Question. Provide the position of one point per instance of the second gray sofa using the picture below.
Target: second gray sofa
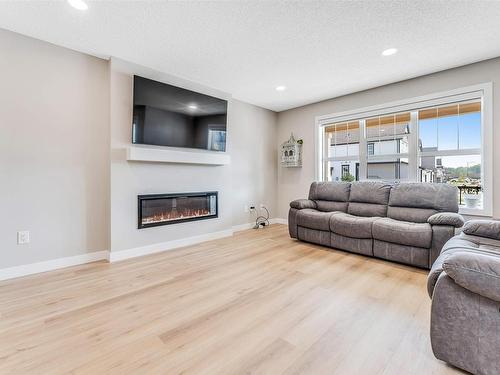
(407, 222)
(464, 284)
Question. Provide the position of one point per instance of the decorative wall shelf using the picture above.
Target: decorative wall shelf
(177, 156)
(291, 153)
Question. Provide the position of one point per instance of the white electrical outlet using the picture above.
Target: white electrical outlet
(262, 205)
(247, 209)
(23, 237)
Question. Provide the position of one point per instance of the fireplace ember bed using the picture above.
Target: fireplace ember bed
(164, 209)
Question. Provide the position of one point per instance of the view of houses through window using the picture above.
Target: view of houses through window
(440, 144)
(387, 147)
(450, 148)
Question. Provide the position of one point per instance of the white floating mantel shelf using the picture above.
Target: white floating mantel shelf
(177, 156)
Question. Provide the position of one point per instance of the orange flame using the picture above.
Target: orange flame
(175, 215)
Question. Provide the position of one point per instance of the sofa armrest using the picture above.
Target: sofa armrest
(479, 273)
(300, 204)
(432, 278)
(446, 218)
(483, 228)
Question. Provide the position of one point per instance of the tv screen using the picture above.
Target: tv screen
(166, 115)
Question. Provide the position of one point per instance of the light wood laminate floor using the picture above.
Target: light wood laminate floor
(255, 303)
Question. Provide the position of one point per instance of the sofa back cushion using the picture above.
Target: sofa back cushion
(369, 198)
(414, 215)
(330, 206)
(416, 202)
(330, 196)
(367, 209)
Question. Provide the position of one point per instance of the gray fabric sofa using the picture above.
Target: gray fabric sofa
(464, 284)
(407, 223)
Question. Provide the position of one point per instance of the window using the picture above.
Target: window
(387, 146)
(341, 150)
(345, 171)
(437, 139)
(371, 148)
(450, 148)
(217, 140)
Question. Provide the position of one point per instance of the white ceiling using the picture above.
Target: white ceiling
(318, 50)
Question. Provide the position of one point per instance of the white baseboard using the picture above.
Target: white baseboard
(50, 265)
(115, 256)
(240, 227)
(279, 221)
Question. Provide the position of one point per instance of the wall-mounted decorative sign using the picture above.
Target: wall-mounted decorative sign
(291, 152)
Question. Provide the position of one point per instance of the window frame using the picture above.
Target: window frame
(482, 92)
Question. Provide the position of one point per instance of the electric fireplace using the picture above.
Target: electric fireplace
(164, 209)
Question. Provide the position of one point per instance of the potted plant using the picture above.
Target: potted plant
(472, 200)
(348, 178)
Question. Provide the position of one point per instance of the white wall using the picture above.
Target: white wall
(250, 178)
(294, 183)
(54, 169)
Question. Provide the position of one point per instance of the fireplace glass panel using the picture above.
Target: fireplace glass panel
(166, 209)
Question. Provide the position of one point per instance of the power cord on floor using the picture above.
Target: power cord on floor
(261, 221)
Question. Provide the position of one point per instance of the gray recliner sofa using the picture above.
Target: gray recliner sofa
(407, 222)
(464, 284)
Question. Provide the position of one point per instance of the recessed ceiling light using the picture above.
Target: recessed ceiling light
(280, 88)
(78, 4)
(192, 106)
(389, 51)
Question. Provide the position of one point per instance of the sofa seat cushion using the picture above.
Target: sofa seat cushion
(402, 232)
(352, 226)
(314, 219)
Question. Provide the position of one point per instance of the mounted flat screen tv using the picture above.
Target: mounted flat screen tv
(166, 115)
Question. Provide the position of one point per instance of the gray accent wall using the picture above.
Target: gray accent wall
(293, 183)
(54, 151)
(254, 159)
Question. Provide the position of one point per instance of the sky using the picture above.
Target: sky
(450, 133)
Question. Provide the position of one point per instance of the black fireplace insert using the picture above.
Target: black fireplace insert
(164, 209)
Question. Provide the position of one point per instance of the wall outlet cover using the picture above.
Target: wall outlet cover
(23, 237)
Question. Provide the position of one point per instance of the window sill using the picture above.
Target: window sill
(462, 210)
